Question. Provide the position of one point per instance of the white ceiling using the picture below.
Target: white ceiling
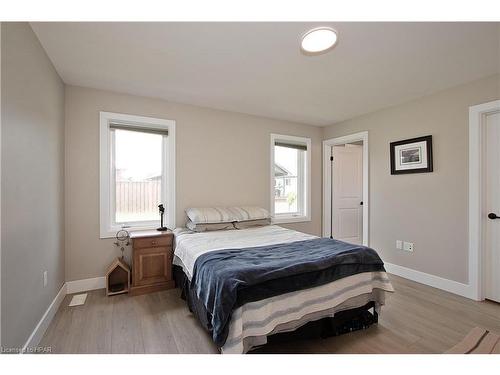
(257, 68)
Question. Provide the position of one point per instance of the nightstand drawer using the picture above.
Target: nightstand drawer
(141, 243)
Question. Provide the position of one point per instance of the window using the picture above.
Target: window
(290, 178)
(137, 170)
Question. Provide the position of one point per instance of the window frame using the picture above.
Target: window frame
(305, 202)
(108, 227)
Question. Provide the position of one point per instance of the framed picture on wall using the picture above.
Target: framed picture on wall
(411, 155)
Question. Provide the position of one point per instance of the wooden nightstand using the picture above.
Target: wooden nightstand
(152, 254)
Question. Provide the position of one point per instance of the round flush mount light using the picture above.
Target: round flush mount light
(318, 41)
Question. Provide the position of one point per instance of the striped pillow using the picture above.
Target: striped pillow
(251, 223)
(209, 215)
(246, 213)
(208, 227)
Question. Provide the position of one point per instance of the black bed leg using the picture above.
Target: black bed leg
(375, 314)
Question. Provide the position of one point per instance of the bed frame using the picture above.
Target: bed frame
(343, 322)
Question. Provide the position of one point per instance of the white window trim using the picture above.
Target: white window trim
(283, 219)
(105, 118)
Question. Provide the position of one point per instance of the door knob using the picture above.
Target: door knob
(493, 216)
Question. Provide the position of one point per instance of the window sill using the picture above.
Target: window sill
(290, 219)
(111, 232)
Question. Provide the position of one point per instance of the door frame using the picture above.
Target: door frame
(327, 171)
(477, 114)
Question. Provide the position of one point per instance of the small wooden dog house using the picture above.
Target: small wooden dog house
(117, 278)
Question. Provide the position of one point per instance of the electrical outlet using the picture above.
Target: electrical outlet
(399, 244)
(408, 246)
(44, 279)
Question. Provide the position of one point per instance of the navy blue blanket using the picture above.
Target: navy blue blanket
(226, 279)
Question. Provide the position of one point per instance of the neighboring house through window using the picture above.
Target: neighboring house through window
(290, 178)
(137, 172)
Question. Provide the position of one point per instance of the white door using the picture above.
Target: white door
(347, 193)
(492, 208)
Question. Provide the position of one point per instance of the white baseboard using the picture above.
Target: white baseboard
(43, 324)
(69, 287)
(84, 285)
(451, 286)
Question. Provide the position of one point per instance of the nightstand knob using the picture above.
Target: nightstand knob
(153, 243)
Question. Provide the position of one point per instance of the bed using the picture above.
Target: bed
(247, 285)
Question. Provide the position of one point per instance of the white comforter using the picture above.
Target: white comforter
(189, 246)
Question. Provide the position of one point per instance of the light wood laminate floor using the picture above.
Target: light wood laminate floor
(416, 319)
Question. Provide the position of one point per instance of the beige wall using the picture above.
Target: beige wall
(32, 180)
(428, 209)
(222, 159)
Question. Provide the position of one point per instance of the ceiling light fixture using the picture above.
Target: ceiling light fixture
(318, 41)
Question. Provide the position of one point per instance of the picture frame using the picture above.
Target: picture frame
(411, 155)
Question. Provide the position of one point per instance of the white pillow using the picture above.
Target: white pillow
(246, 213)
(251, 223)
(207, 227)
(208, 215)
